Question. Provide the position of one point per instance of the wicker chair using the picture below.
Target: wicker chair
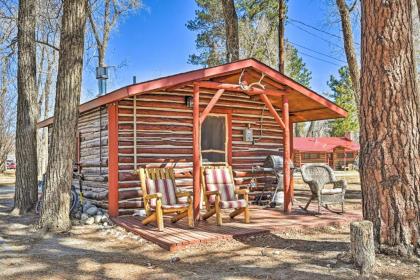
(317, 176)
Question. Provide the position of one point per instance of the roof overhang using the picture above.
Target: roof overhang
(323, 144)
(304, 103)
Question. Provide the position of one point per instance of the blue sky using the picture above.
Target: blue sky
(155, 42)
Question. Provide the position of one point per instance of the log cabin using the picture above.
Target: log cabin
(236, 113)
(338, 152)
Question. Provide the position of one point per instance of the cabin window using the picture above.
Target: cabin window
(311, 156)
(349, 155)
(213, 139)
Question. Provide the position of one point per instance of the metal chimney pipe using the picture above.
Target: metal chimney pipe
(102, 76)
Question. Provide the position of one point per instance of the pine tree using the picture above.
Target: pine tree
(253, 9)
(231, 30)
(258, 21)
(343, 95)
(354, 69)
(211, 38)
(295, 68)
(389, 128)
(258, 38)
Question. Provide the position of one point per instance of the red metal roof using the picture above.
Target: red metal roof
(203, 74)
(323, 144)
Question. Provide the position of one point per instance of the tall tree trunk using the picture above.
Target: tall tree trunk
(55, 211)
(390, 121)
(102, 39)
(418, 8)
(102, 45)
(299, 129)
(349, 48)
(106, 25)
(231, 27)
(40, 69)
(282, 19)
(26, 191)
(3, 92)
(101, 56)
(311, 129)
(102, 86)
(3, 130)
(45, 97)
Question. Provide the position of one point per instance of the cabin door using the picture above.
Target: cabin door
(214, 139)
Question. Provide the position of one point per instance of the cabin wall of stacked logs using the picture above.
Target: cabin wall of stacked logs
(164, 138)
(299, 158)
(93, 156)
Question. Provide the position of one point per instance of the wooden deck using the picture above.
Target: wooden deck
(263, 220)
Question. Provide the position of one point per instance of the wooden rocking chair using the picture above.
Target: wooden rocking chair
(160, 197)
(220, 193)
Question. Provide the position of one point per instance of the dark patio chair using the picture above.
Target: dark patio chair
(317, 176)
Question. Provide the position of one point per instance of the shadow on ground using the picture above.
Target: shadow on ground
(92, 252)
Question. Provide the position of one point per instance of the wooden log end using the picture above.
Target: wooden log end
(362, 246)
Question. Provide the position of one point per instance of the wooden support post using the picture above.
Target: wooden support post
(292, 157)
(211, 104)
(135, 130)
(273, 111)
(286, 157)
(196, 152)
(113, 160)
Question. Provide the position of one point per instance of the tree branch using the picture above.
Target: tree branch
(116, 15)
(48, 45)
(352, 6)
(93, 25)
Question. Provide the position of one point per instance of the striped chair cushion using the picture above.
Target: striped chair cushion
(233, 204)
(220, 179)
(164, 186)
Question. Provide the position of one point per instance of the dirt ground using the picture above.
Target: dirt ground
(95, 252)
